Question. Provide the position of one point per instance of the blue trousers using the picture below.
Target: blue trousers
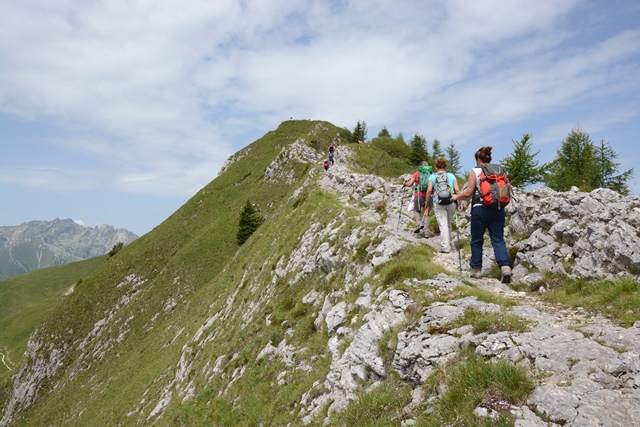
(485, 218)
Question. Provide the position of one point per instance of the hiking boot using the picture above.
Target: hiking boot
(506, 274)
(476, 273)
(418, 228)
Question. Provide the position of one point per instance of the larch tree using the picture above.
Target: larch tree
(436, 149)
(419, 151)
(453, 159)
(607, 178)
(360, 132)
(384, 132)
(521, 166)
(575, 163)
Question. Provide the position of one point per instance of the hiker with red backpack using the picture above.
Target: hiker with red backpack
(422, 199)
(443, 185)
(490, 191)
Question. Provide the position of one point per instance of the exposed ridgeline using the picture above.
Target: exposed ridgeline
(38, 244)
(319, 307)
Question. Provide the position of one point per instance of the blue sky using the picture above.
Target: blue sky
(118, 112)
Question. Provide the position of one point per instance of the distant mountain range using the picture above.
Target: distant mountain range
(38, 244)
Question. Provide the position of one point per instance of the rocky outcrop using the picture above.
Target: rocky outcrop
(592, 234)
(591, 372)
(280, 172)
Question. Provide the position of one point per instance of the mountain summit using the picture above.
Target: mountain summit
(37, 244)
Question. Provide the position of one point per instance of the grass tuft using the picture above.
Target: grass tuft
(471, 381)
(381, 407)
(490, 322)
(618, 300)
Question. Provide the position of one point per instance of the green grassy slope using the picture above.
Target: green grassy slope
(26, 299)
(168, 332)
(155, 293)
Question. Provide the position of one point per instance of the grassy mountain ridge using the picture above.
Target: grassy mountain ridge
(183, 327)
(124, 328)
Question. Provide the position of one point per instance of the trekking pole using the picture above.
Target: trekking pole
(458, 231)
(401, 206)
(420, 207)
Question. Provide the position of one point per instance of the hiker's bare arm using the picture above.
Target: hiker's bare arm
(464, 195)
(410, 182)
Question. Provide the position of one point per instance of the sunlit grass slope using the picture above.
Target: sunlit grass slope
(155, 293)
(25, 299)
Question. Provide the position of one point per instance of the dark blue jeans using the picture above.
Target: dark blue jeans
(483, 218)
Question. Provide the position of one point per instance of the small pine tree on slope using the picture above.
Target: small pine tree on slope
(249, 222)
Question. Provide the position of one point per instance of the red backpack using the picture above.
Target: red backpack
(495, 189)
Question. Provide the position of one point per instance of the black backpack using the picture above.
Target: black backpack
(443, 189)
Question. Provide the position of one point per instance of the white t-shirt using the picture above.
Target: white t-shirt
(478, 200)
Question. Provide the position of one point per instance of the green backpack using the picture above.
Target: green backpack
(425, 173)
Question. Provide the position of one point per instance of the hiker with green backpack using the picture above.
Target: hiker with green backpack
(422, 198)
(443, 185)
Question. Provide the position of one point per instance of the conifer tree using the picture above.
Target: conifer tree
(384, 132)
(360, 132)
(400, 137)
(575, 163)
(418, 149)
(520, 165)
(607, 178)
(116, 248)
(249, 222)
(436, 150)
(453, 159)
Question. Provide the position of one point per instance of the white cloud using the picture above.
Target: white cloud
(153, 95)
(49, 178)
